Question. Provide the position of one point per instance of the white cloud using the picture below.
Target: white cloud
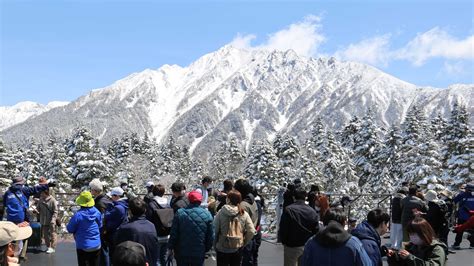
(303, 37)
(436, 43)
(454, 69)
(375, 51)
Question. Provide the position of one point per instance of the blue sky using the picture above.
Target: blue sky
(60, 50)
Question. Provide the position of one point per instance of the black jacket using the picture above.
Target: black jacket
(397, 208)
(298, 223)
(178, 203)
(436, 216)
(101, 202)
(142, 231)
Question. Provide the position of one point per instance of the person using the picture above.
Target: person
(411, 205)
(298, 223)
(160, 214)
(9, 233)
(436, 215)
(139, 230)
(192, 233)
(465, 201)
(468, 225)
(85, 225)
(149, 191)
(260, 201)
(16, 201)
(115, 215)
(288, 195)
(312, 194)
(48, 212)
(250, 206)
(130, 253)
(228, 245)
(203, 189)
(334, 246)
(321, 205)
(423, 248)
(351, 225)
(101, 201)
(396, 232)
(222, 195)
(370, 231)
(178, 200)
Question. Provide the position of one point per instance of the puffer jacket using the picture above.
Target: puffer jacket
(221, 225)
(192, 233)
(16, 211)
(85, 225)
(370, 240)
(115, 215)
(410, 203)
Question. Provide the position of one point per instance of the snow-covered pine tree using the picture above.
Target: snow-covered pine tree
(218, 162)
(236, 159)
(262, 167)
(31, 167)
(287, 151)
(347, 135)
(438, 127)
(459, 149)
(366, 145)
(7, 165)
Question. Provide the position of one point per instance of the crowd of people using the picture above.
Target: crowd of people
(120, 228)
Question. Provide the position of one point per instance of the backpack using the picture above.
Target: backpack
(234, 238)
(163, 219)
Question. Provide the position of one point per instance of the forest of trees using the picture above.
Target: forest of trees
(361, 157)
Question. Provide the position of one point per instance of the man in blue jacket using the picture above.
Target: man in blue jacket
(465, 200)
(16, 199)
(192, 233)
(369, 233)
(139, 230)
(334, 245)
(115, 215)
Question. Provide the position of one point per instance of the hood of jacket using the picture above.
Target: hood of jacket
(333, 235)
(162, 201)
(365, 231)
(121, 202)
(250, 198)
(229, 210)
(89, 213)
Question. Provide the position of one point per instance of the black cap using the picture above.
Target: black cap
(129, 253)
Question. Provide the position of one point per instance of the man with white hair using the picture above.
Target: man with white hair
(101, 202)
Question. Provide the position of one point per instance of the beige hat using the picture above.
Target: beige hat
(431, 195)
(11, 232)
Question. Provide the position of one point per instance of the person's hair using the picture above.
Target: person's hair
(137, 206)
(300, 193)
(412, 190)
(129, 253)
(420, 195)
(314, 188)
(376, 217)
(158, 190)
(422, 228)
(243, 187)
(235, 198)
(4, 255)
(178, 187)
(96, 185)
(206, 179)
(333, 215)
(323, 205)
(228, 185)
(291, 186)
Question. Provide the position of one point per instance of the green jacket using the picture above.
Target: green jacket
(432, 255)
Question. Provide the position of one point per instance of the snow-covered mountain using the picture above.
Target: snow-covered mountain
(248, 94)
(12, 115)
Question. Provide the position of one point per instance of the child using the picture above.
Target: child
(48, 209)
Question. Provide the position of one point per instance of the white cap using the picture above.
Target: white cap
(431, 195)
(149, 184)
(116, 191)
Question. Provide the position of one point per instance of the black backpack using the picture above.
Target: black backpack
(162, 218)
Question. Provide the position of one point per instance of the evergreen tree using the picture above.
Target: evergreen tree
(349, 132)
(236, 159)
(7, 165)
(262, 168)
(287, 152)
